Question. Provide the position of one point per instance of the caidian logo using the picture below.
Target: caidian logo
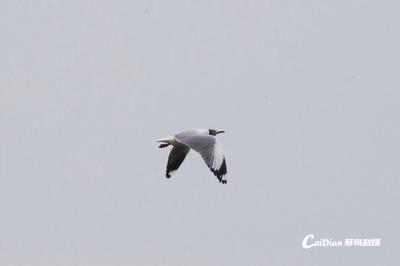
(309, 242)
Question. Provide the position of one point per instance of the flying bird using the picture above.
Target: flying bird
(201, 140)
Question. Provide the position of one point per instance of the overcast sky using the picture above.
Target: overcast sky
(307, 92)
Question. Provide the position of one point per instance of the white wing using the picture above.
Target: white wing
(213, 156)
(209, 148)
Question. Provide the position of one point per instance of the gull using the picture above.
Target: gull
(201, 140)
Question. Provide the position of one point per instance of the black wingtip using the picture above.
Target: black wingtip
(220, 172)
(223, 181)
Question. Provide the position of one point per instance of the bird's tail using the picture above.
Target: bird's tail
(165, 139)
(168, 140)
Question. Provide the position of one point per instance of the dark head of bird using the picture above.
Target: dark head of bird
(214, 132)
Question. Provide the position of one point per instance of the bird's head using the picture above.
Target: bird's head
(214, 132)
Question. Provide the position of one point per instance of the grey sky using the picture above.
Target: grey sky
(307, 91)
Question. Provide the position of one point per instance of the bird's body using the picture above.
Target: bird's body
(201, 140)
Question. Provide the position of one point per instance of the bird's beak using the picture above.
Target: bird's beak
(220, 131)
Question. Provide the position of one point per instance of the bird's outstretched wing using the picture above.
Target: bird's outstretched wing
(175, 158)
(215, 160)
(209, 148)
